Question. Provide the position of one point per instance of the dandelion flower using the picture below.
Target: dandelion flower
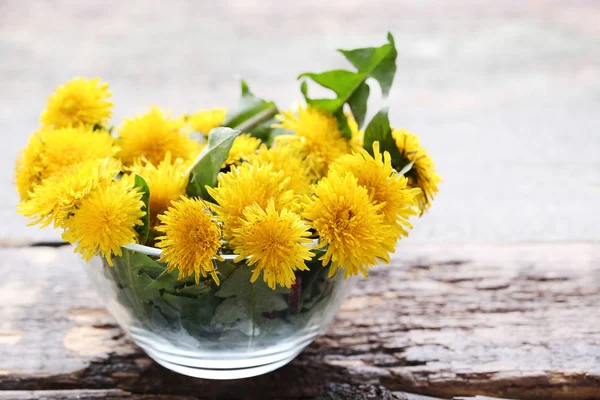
(274, 242)
(49, 151)
(244, 185)
(167, 183)
(57, 197)
(317, 138)
(106, 220)
(151, 136)
(204, 121)
(386, 187)
(244, 146)
(191, 239)
(422, 174)
(80, 102)
(358, 136)
(284, 159)
(350, 226)
(29, 168)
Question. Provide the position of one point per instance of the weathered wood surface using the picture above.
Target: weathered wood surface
(518, 321)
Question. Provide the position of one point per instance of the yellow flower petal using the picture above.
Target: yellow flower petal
(49, 151)
(350, 226)
(105, 220)
(203, 121)
(80, 102)
(58, 196)
(422, 174)
(244, 146)
(244, 185)
(385, 186)
(167, 183)
(318, 139)
(151, 136)
(191, 239)
(284, 159)
(274, 242)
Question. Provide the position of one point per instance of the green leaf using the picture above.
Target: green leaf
(342, 122)
(379, 62)
(178, 302)
(379, 130)
(251, 114)
(144, 229)
(201, 310)
(231, 310)
(208, 163)
(358, 103)
(194, 290)
(342, 82)
(264, 130)
(226, 268)
(166, 281)
(350, 87)
(134, 272)
(167, 308)
(137, 263)
(238, 285)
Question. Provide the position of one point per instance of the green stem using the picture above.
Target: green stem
(253, 309)
(133, 288)
(257, 119)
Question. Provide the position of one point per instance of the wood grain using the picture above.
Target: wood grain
(518, 321)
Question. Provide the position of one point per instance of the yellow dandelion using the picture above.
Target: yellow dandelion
(274, 242)
(350, 226)
(49, 151)
(105, 220)
(167, 183)
(244, 185)
(80, 102)
(386, 187)
(244, 146)
(422, 174)
(204, 121)
(151, 136)
(358, 136)
(29, 168)
(57, 197)
(284, 159)
(191, 239)
(318, 138)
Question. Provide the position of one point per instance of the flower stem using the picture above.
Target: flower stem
(257, 119)
(253, 309)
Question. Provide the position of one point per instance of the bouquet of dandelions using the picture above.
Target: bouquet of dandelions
(199, 215)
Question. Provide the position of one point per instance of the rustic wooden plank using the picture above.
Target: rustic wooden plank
(517, 321)
(329, 393)
(62, 394)
(84, 394)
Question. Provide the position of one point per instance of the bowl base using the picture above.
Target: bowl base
(220, 374)
(222, 365)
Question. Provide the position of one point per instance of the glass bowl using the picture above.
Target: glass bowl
(236, 330)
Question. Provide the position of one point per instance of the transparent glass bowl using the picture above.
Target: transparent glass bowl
(236, 330)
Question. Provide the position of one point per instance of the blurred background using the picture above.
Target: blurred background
(505, 95)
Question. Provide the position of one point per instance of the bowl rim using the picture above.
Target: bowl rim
(154, 252)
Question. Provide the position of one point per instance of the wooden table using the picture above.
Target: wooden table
(515, 321)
